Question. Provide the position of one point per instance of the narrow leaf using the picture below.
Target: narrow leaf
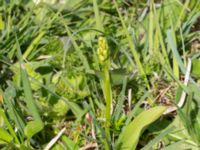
(26, 86)
(157, 139)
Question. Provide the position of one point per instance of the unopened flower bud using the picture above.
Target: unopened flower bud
(102, 50)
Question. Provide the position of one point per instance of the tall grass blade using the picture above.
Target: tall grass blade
(27, 87)
(157, 139)
(161, 38)
(33, 44)
(173, 145)
(9, 126)
(121, 99)
(182, 14)
(133, 49)
(173, 47)
(80, 53)
(151, 26)
(14, 115)
(99, 24)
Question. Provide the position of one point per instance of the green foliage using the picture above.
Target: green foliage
(32, 128)
(100, 69)
(69, 143)
(195, 68)
(1, 23)
(60, 108)
(130, 136)
(72, 86)
(5, 136)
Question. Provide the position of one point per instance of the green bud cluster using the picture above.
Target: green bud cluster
(102, 50)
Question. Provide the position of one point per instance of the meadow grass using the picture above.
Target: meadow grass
(99, 74)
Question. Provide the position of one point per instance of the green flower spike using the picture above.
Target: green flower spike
(102, 50)
(103, 56)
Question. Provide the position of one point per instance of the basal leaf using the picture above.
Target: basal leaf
(32, 128)
(117, 76)
(71, 145)
(131, 134)
(5, 136)
(196, 68)
(1, 23)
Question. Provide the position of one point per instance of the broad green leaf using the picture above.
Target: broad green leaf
(60, 108)
(32, 128)
(196, 68)
(117, 76)
(2, 142)
(71, 145)
(1, 121)
(137, 108)
(173, 146)
(7, 123)
(23, 147)
(31, 68)
(13, 113)
(1, 23)
(57, 146)
(5, 136)
(131, 134)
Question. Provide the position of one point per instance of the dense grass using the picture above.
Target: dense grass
(99, 74)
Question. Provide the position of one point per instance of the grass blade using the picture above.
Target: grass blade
(34, 43)
(9, 96)
(133, 49)
(173, 146)
(151, 27)
(157, 139)
(27, 87)
(12, 132)
(173, 47)
(99, 24)
(121, 99)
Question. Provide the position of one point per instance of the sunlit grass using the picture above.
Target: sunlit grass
(95, 74)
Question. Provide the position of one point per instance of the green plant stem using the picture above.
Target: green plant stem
(108, 98)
